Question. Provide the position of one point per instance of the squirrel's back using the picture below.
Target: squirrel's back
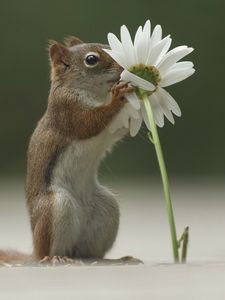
(71, 213)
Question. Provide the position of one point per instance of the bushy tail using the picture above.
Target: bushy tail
(14, 257)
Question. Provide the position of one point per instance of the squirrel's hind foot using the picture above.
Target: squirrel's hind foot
(58, 261)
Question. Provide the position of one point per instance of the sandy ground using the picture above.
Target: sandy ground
(143, 233)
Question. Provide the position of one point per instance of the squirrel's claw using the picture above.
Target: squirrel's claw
(56, 260)
(120, 89)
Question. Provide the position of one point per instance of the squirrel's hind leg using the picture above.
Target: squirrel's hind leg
(56, 228)
(66, 225)
(42, 226)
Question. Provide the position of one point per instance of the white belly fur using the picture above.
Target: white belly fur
(86, 214)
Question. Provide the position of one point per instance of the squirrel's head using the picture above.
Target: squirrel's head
(78, 65)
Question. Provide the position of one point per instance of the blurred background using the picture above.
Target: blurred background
(194, 147)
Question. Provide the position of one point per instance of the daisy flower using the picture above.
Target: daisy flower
(150, 66)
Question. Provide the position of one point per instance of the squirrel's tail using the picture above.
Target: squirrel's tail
(14, 257)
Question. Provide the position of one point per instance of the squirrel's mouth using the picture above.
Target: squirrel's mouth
(111, 82)
(114, 79)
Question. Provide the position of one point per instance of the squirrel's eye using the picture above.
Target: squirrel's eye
(91, 59)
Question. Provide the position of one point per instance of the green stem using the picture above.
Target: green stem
(164, 175)
(185, 245)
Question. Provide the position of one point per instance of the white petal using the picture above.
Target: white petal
(164, 106)
(141, 50)
(155, 39)
(164, 51)
(147, 28)
(137, 41)
(181, 65)
(156, 51)
(146, 38)
(127, 43)
(135, 125)
(128, 117)
(114, 43)
(119, 58)
(138, 35)
(172, 57)
(134, 100)
(137, 81)
(131, 111)
(156, 35)
(157, 111)
(121, 120)
(125, 119)
(175, 76)
(145, 116)
(142, 43)
(172, 104)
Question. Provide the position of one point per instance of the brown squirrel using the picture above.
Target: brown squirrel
(72, 215)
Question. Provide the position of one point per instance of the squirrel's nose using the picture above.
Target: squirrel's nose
(117, 67)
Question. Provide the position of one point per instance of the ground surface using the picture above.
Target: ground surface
(143, 233)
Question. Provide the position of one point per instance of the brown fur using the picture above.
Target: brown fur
(71, 41)
(42, 225)
(14, 257)
(65, 120)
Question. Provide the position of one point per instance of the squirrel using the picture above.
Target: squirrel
(72, 215)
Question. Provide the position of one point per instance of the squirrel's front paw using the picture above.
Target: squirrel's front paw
(119, 90)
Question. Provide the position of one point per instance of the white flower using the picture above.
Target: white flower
(149, 65)
(129, 118)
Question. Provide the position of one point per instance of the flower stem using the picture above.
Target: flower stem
(185, 244)
(165, 181)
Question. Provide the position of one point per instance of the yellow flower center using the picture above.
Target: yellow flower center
(149, 73)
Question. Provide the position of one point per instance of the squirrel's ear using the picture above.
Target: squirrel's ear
(58, 53)
(71, 41)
